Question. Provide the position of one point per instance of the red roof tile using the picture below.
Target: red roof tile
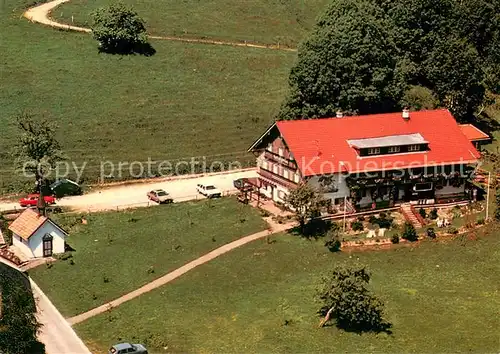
(27, 223)
(319, 146)
(472, 133)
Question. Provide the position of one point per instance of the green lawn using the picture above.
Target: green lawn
(262, 21)
(186, 100)
(439, 296)
(122, 246)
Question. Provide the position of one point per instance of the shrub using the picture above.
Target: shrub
(384, 223)
(422, 213)
(264, 213)
(361, 218)
(409, 232)
(105, 279)
(433, 214)
(373, 219)
(480, 221)
(431, 233)
(452, 230)
(63, 256)
(395, 239)
(382, 215)
(357, 226)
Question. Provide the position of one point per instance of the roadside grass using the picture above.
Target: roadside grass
(440, 296)
(186, 100)
(261, 21)
(116, 251)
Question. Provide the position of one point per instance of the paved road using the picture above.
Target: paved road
(56, 333)
(134, 195)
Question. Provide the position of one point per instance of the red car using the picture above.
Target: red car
(32, 200)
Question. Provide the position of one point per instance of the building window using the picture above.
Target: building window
(275, 169)
(281, 195)
(413, 147)
(286, 174)
(280, 152)
(373, 151)
(393, 149)
(296, 178)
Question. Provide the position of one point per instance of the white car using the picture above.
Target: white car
(209, 190)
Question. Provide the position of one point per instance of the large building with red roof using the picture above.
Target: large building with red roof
(373, 160)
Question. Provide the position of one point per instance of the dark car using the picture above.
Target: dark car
(63, 187)
(127, 348)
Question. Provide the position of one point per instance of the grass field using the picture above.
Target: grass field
(261, 21)
(122, 246)
(186, 100)
(439, 296)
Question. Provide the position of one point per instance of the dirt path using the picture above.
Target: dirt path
(181, 188)
(41, 14)
(275, 228)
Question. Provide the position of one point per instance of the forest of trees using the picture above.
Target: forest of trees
(372, 56)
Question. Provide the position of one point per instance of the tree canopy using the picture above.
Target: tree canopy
(372, 56)
(346, 299)
(18, 324)
(38, 150)
(120, 30)
(305, 201)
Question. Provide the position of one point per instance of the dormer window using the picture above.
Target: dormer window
(394, 149)
(412, 148)
(373, 151)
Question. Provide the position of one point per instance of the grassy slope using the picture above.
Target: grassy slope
(122, 246)
(187, 100)
(263, 21)
(439, 297)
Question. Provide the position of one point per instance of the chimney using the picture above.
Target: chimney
(340, 114)
(406, 114)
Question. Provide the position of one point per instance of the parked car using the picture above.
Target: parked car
(32, 200)
(127, 348)
(209, 190)
(239, 183)
(160, 196)
(63, 187)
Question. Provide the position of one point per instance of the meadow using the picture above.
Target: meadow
(186, 100)
(260, 21)
(117, 252)
(440, 296)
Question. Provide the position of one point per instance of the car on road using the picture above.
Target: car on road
(160, 196)
(127, 348)
(208, 190)
(32, 200)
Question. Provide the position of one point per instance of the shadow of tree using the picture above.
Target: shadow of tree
(314, 229)
(145, 49)
(383, 327)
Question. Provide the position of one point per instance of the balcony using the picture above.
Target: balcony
(281, 160)
(276, 178)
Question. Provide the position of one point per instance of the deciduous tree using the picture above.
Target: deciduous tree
(371, 56)
(305, 202)
(38, 150)
(18, 324)
(350, 62)
(120, 30)
(346, 299)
